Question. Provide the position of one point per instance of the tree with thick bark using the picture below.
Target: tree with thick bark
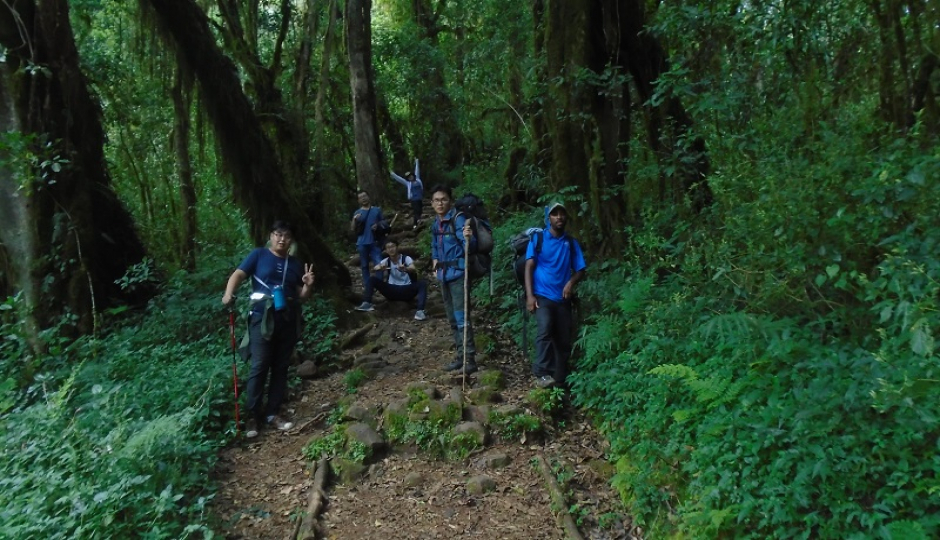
(259, 184)
(67, 237)
(370, 167)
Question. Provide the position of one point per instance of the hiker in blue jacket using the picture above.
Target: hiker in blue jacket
(363, 224)
(415, 191)
(551, 275)
(448, 233)
(278, 283)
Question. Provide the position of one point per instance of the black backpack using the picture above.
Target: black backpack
(479, 262)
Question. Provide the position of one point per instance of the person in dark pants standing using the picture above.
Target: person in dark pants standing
(278, 283)
(364, 222)
(554, 266)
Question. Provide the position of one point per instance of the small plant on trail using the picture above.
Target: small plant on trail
(354, 379)
(514, 427)
(547, 400)
(328, 445)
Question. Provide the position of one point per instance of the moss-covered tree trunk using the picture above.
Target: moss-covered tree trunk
(590, 49)
(67, 237)
(258, 182)
(181, 93)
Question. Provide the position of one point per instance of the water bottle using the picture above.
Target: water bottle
(280, 302)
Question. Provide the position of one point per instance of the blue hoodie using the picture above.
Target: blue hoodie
(447, 245)
(555, 263)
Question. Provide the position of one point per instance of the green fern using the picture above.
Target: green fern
(906, 530)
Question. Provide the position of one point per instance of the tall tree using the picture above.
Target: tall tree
(590, 49)
(258, 180)
(68, 238)
(370, 169)
(182, 92)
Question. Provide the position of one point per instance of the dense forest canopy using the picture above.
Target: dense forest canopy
(756, 185)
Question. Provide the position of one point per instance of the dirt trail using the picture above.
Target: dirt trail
(264, 483)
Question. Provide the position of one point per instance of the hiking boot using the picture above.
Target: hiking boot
(251, 428)
(420, 315)
(469, 368)
(545, 381)
(456, 365)
(280, 423)
(365, 306)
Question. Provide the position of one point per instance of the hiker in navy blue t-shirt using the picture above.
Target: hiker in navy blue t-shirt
(415, 189)
(550, 278)
(278, 283)
(364, 221)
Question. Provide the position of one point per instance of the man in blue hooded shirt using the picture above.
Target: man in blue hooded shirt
(554, 266)
(450, 231)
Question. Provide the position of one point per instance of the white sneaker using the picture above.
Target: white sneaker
(420, 315)
(280, 423)
(365, 306)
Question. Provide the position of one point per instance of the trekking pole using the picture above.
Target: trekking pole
(466, 307)
(231, 326)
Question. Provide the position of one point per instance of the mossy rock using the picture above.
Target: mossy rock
(492, 378)
(484, 394)
(347, 470)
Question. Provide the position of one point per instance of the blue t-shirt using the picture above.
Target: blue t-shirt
(266, 270)
(371, 216)
(555, 264)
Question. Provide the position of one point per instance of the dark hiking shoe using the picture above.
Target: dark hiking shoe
(470, 368)
(280, 423)
(545, 381)
(251, 428)
(456, 364)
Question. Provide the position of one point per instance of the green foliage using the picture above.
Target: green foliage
(329, 445)
(354, 379)
(547, 400)
(320, 334)
(514, 427)
(100, 446)
(777, 376)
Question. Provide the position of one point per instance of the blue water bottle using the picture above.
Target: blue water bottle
(279, 301)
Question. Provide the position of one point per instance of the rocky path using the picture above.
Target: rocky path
(403, 491)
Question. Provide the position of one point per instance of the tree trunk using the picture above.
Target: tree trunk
(589, 140)
(370, 171)
(181, 99)
(258, 181)
(65, 229)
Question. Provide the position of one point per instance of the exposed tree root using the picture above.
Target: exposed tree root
(306, 528)
(562, 516)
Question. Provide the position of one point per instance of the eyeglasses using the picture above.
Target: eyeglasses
(283, 235)
(439, 201)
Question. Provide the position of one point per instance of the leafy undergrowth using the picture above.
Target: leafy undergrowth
(116, 437)
(776, 377)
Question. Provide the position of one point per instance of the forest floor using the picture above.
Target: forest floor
(264, 483)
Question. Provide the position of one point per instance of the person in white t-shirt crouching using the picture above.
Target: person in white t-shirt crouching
(395, 277)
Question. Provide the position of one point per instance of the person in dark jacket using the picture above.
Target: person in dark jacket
(449, 233)
(364, 222)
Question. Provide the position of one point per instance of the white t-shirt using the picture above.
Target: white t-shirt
(396, 276)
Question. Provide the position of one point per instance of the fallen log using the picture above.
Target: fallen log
(562, 517)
